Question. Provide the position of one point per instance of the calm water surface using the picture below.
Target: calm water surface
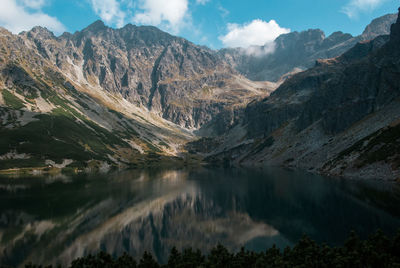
(57, 219)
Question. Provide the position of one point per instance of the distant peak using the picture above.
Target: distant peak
(379, 26)
(4, 31)
(98, 23)
(96, 26)
(40, 32)
(395, 30)
(398, 16)
(129, 26)
(310, 34)
(40, 29)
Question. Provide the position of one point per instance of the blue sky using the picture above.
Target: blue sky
(214, 23)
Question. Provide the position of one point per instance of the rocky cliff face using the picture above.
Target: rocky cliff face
(49, 117)
(299, 50)
(379, 26)
(149, 68)
(340, 117)
(111, 95)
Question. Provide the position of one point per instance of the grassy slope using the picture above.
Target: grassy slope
(56, 136)
(11, 100)
(67, 132)
(61, 134)
(383, 145)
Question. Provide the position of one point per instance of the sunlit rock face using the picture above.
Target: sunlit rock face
(172, 77)
(379, 26)
(111, 97)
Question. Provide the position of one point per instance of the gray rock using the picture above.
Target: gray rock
(299, 50)
(340, 117)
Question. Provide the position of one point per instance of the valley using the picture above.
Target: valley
(105, 98)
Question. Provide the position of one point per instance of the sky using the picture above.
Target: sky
(213, 23)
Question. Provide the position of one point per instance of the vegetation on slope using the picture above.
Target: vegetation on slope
(381, 146)
(52, 119)
(56, 136)
(376, 251)
(11, 100)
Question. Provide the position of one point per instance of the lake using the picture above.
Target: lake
(55, 219)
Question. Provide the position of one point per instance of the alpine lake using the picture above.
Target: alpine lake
(56, 219)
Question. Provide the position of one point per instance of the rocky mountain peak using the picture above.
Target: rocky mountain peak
(96, 26)
(174, 78)
(4, 31)
(398, 17)
(340, 117)
(39, 32)
(126, 37)
(299, 50)
(297, 38)
(379, 26)
(145, 35)
(395, 30)
(135, 79)
(335, 38)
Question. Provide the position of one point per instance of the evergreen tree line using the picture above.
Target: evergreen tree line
(376, 251)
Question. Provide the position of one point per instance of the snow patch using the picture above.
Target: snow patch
(14, 155)
(65, 163)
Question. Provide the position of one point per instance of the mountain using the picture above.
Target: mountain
(168, 75)
(297, 51)
(379, 26)
(102, 97)
(105, 97)
(341, 117)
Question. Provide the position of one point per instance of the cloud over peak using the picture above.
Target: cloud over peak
(254, 33)
(109, 11)
(168, 14)
(34, 4)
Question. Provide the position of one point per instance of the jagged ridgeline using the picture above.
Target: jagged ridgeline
(135, 96)
(297, 51)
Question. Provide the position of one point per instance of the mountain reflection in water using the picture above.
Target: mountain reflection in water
(57, 219)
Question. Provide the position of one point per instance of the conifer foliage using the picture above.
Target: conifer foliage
(376, 251)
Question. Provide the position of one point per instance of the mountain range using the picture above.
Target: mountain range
(136, 96)
(340, 117)
(298, 51)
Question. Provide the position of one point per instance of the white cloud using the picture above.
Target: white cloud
(167, 14)
(354, 7)
(224, 12)
(258, 51)
(16, 16)
(109, 11)
(255, 33)
(35, 4)
(202, 2)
